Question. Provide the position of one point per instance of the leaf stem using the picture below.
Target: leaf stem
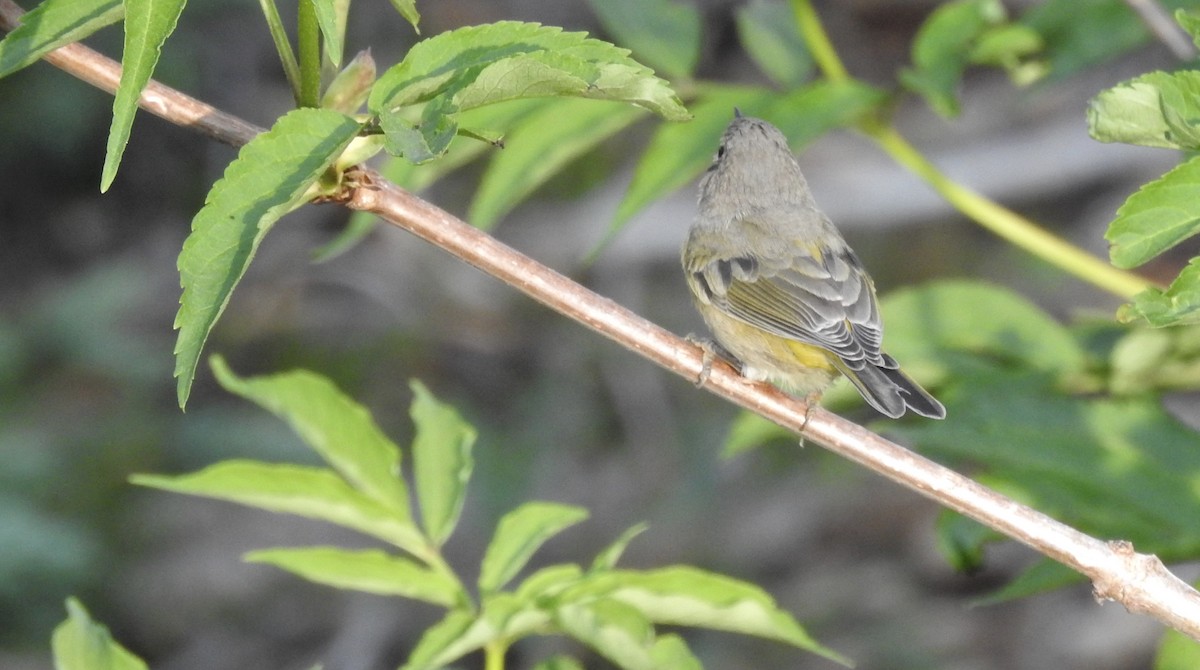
(308, 34)
(817, 41)
(287, 57)
(494, 652)
(1009, 225)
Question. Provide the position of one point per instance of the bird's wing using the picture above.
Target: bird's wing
(818, 296)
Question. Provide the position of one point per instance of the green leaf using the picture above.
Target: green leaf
(613, 629)
(503, 617)
(1112, 467)
(687, 596)
(350, 88)
(480, 65)
(978, 318)
(442, 461)
(1158, 109)
(408, 9)
(1190, 21)
(664, 34)
(1159, 216)
(548, 582)
(52, 24)
(942, 49)
(767, 30)
(333, 424)
(750, 430)
(270, 176)
(544, 143)
(331, 17)
(148, 24)
(80, 643)
(1177, 652)
(1080, 33)
(806, 113)
(1177, 306)
(560, 663)
(607, 559)
(415, 178)
(421, 142)
(520, 533)
(372, 571)
(1045, 575)
(1156, 359)
(670, 651)
(315, 493)
(677, 153)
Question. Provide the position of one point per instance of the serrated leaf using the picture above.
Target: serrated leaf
(612, 629)
(424, 141)
(315, 493)
(687, 596)
(408, 9)
(148, 24)
(1179, 305)
(331, 17)
(478, 65)
(942, 49)
(1177, 652)
(767, 30)
(519, 534)
(269, 177)
(80, 643)
(1158, 109)
(371, 571)
(664, 34)
(1160, 215)
(442, 462)
(339, 429)
(545, 142)
(52, 24)
(608, 557)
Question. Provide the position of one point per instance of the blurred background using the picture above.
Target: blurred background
(88, 293)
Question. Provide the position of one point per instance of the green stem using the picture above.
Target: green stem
(817, 41)
(494, 653)
(308, 34)
(1017, 230)
(291, 69)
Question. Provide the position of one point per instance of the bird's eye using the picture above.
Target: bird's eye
(721, 151)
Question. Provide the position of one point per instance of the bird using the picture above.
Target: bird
(783, 294)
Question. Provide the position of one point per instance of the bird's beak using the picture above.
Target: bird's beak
(737, 113)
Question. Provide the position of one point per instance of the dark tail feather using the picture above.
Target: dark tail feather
(890, 391)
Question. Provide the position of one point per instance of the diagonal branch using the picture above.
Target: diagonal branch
(1140, 582)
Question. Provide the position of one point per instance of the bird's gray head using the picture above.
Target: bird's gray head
(753, 166)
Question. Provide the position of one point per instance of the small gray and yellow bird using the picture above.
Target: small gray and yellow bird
(780, 289)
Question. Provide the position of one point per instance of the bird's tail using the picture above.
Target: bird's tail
(892, 392)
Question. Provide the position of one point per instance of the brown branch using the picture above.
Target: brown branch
(1140, 582)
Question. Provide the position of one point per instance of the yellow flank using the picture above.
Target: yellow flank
(810, 356)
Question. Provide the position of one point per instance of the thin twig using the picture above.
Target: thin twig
(1158, 20)
(1140, 582)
